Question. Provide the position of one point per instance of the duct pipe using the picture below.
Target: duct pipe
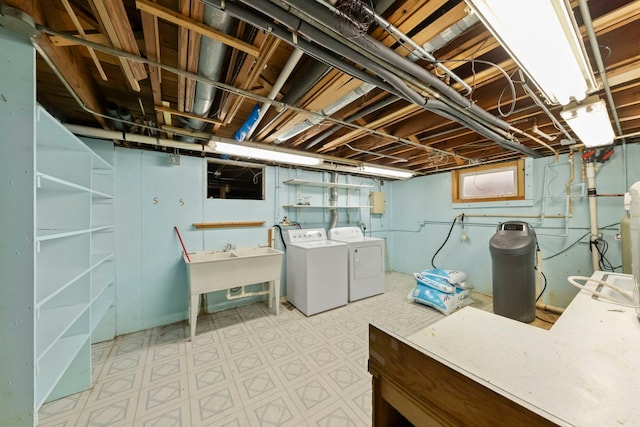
(333, 202)
(328, 111)
(451, 33)
(397, 34)
(372, 47)
(593, 215)
(446, 111)
(401, 89)
(196, 77)
(209, 65)
(438, 41)
(280, 81)
(372, 108)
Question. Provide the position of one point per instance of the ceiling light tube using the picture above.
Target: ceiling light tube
(263, 154)
(392, 173)
(544, 40)
(590, 122)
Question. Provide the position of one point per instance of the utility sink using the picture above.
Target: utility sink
(211, 271)
(208, 256)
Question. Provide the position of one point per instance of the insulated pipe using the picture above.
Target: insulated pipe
(347, 99)
(401, 88)
(372, 108)
(422, 52)
(593, 215)
(446, 111)
(379, 51)
(220, 85)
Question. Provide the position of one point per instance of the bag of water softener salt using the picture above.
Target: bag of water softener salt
(436, 283)
(446, 303)
(453, 277)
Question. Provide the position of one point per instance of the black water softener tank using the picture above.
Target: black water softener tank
(513, 254)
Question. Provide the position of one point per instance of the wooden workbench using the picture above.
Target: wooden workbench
(476, 368)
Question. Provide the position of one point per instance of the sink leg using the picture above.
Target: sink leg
(271, 285)
(193, 315)
(276, 284)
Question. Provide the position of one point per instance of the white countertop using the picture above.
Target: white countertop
(584, 371)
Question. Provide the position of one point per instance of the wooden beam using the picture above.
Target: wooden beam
(113, 19)
(150, 38)
(375, 124)
(183, 49)
(76, 23)
(267, 50)
(193, 51)
(69, 63)
(187, 115)
(92, 37)
(190, 23)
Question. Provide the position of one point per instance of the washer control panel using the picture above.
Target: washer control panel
(307, 235)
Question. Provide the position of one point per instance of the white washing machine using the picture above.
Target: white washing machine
(316, 271)
(366, 261)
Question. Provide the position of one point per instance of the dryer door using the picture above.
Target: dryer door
(368, 261)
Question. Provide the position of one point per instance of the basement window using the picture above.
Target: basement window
(235, 181)
(488, 183)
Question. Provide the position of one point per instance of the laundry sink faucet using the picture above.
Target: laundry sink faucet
(228, 247)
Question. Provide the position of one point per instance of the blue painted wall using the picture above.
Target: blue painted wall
(428, 199)
(151, 276)
(153, 196)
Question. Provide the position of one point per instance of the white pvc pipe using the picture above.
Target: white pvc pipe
(280, 81)
(593, 214)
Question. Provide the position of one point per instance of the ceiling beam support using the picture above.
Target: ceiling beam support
(192, 24)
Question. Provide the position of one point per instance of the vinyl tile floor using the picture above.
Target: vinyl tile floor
(245, 367)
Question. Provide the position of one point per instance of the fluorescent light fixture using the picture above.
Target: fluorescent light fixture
(590, 122)
(392, 173)
(544, 40)
(263, 154)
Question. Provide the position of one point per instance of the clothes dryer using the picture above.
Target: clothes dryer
(366, 261)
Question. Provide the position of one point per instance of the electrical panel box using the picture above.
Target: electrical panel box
(377, 202)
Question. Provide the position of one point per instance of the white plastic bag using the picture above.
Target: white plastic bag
(446, 303)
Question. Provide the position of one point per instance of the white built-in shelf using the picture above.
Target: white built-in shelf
(99, 258)
(51, 183)
(52, 323)
(59, 283)
(101, 195)
(52, 367)
(325, 184)
(100, 283)
(99, 309)
(48, 234)
(74, 257)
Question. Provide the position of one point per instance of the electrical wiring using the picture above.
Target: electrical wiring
(544, 287)
(627, 294)
(576, 242)
(443, 243)
(281, 236)
(601, 246)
